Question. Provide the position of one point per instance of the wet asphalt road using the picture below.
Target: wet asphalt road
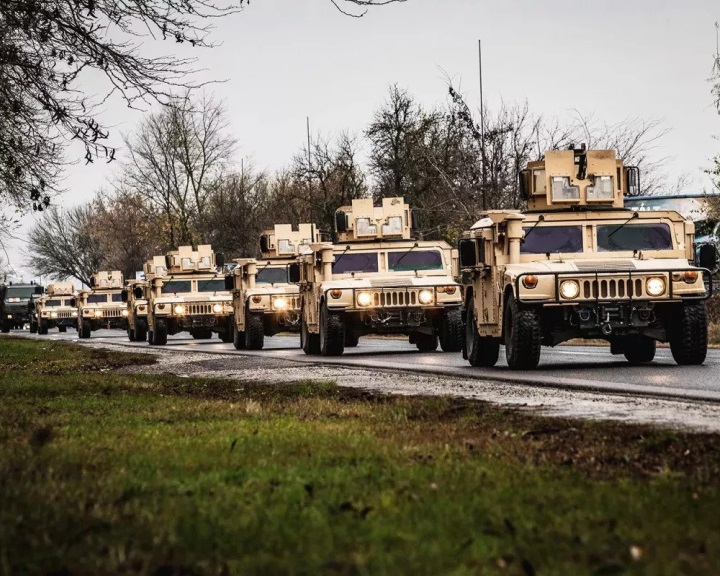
(586, 368)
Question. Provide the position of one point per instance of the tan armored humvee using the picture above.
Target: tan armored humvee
(265, 302)
(136, 301)
(577, 264)
(101, 306)
(55, 309)
(376, 279)
(187, 294)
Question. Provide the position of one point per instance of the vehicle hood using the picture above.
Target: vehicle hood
(388, 282)
(599, 265)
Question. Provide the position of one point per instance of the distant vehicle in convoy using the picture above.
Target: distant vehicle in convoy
(578, 264)
(702, 209)
(186, 293)
(377, 279)
(56, 309)
(101, 306)
(15, 300)
(137, 306)
(265, 302)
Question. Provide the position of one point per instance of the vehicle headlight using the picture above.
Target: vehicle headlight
(124, 313)
(179, 309)
(74, 313)
(98, 313)
(53, 314)
(280, 303)
(364, 299)
(425, 297)
(217, 308)
(569, 289)
(655, 286)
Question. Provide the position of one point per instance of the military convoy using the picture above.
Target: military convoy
(377, 279)
(576, 264)
(101, 306)
(264, 299)
(186, 293)
(55, 309)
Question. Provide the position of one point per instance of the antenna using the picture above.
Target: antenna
(482, 130)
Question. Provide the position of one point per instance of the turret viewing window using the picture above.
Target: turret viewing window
(602, 189)
(561, 189)
(363, 227)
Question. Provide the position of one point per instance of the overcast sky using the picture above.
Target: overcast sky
(284, 60)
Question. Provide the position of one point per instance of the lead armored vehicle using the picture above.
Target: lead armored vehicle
(101, 306)
(187, 294)
(56, 309)
(578, 264)
(15, 300)
(265, 302)
(377, 279)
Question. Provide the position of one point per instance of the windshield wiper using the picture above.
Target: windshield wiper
(634, 215)
(403, 256)
(540, 219)
(341, 255)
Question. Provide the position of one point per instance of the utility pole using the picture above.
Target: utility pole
(483, 184)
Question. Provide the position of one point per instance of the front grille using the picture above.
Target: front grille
(613, 288)
(198, 309)
(65, 314)
(294, 303)
(112, 313)
(395, 298)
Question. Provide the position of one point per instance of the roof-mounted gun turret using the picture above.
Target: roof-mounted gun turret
(284, 242)
(156, 266)
(105, 279)
(363, 221)
(60, 289)
(186, 260)
(578, 177)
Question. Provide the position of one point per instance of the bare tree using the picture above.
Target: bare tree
(64, 244)
(362, 4)
(176, 158)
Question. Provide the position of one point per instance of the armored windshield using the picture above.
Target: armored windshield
(411, 260)
(20, 291)
(97, 298)
(552, 239)
(619, 238)
(211, 285)
(348, 262)
(177, 287)
(52, 303)
(116, 297)
(276, 275)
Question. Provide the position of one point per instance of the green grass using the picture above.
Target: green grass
(106, 473)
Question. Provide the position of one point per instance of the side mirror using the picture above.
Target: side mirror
(38, 290)
(219, 259)
(73, 302)
(414, 220)
(632, 181)
(340, 221)
(294, 273)
(138, 292)
(124, 295)
(708, 257)
(264, 243)
(229, 282)
(523, 181)
(467, 249)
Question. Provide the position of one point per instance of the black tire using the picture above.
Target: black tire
(254, 331)
(5, 328)
(226, 336)
(639, 349)
(451, 331)
(84, 331)
(309, 342)
(150, 337)
(351, 339)
(332, 332)
(426, 342)
(687, 329)
(131, 334)
(62, 329)
(33, 327)
(521, 331)
(201, 333)
(238, 338)
(160, 333)
(42, 327)
(480, 351)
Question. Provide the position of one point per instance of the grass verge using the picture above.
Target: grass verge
(107, 473)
